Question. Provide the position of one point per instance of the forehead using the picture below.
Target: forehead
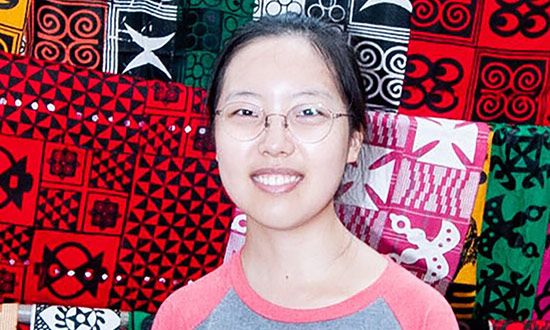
(281, 63)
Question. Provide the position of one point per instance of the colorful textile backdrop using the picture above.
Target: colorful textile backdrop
(101, 175)
(171, 40)
(109, 191)
(479, 60)
(512, 241)
(412, 192)
(206, 26)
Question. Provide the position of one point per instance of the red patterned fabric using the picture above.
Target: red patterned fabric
(479, 60)
(109, 191)
(69, 31)
(520, 325)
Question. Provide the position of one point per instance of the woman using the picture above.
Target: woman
(288, 113)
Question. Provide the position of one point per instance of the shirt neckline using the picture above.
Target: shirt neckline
(276, 312)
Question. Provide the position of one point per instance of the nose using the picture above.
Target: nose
(275, 139)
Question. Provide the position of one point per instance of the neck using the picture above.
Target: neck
(309, 252)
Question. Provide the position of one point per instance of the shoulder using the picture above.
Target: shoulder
(188, 306)
(416, 304)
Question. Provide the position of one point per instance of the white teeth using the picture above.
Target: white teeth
(276, 180)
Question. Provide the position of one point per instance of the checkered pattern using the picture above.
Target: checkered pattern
(58, 209)
(176, 231)
(162, 135)
(16, 242)
(112, 171)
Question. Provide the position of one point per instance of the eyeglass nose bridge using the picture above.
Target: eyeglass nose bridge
(267, 123)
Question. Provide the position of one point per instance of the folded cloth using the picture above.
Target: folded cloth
(412, 192)
(515, 223)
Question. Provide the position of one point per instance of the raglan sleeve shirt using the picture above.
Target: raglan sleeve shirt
(224, 300)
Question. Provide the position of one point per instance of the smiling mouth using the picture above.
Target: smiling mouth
(276, 183)
(276, 180)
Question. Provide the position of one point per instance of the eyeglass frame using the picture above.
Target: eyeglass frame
(266, 123)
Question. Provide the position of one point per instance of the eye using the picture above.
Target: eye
(244, 112)
(309, 112)
(309, 115)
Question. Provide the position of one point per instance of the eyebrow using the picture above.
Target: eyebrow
(307, 92)
(313, 92)
(241, 93)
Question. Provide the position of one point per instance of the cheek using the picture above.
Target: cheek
(329, 160)
(231, 165)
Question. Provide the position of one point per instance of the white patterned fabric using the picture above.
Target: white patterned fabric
(44, 317)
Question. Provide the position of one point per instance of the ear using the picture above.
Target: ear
(355, 143)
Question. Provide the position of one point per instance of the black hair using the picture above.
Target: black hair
(327, 39)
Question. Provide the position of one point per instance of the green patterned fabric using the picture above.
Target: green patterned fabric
(514, 223)
(205, 26)
(140, 320)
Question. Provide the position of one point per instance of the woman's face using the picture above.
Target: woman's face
(278, 181)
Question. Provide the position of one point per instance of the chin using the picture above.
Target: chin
(277, 224)
(283, 217)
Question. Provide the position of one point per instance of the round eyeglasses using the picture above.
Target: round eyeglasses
(308, 123)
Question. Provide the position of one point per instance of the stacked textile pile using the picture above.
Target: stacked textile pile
(109, 190)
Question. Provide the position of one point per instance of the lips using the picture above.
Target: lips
(276, 181)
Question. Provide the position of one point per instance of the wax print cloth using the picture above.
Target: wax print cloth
(479, 60)
(412, 192)
(462, 291)
(109, 191)
(378, 32)
(45, 317)
(205, 28)
(69, 31)
(515, 223)
(542, 299)
(520, 325)
(141, 38)
(170, 40)
(135, 37)
(14, 15)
